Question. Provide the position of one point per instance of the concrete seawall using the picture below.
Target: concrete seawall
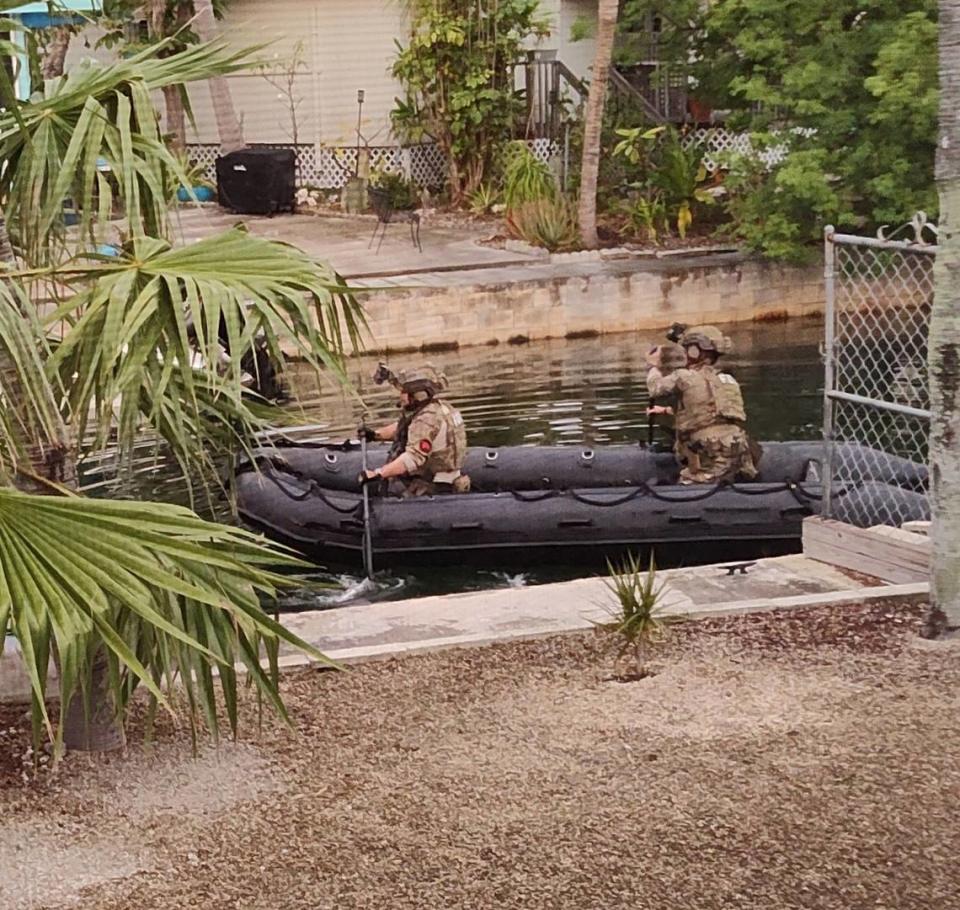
(484, 306)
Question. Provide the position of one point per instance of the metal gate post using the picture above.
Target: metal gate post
(829, 351)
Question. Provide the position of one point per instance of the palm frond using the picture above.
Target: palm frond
(164, 595)
(130, 350)
(93, 138)
(31, 425)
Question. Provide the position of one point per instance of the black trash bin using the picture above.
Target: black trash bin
(257, 181)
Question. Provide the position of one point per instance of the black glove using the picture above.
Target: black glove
(367, 434)
(363, 480)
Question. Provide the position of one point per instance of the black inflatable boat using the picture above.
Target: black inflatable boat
(308, 497)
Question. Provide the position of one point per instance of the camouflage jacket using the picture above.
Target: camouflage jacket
(436, 442)
(705, 396)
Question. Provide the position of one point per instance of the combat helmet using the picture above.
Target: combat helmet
(707, 338)
(422, 383)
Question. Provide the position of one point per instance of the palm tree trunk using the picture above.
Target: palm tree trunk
(228, 124)
(593, 122)
(156, 14)
(176, 120)
(56, 52)
(945, 338)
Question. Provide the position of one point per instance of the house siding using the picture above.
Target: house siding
(347, 45)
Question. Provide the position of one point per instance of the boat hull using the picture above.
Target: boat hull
(624, 497)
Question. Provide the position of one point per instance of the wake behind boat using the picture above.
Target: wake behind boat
(563, 497)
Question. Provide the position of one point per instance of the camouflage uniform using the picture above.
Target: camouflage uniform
(436, 448)
(709, 422)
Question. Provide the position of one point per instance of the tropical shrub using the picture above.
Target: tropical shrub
(131, 595)
(547, 222)
(401, 193)
(526, 178)
(859, 79)
(456, 70)
(646, 213)
(484, 199)
(680, 175)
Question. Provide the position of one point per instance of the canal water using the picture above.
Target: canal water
(564, 392)
(559, 392)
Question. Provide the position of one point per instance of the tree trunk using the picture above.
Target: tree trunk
(593, 122)
(56, 52)
(228, 124)
(176, 121)
(91, 724)
(944, 360)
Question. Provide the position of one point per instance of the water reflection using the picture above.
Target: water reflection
(589, 390)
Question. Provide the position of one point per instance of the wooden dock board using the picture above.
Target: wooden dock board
(887, 553)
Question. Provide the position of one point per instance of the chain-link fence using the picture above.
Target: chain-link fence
(876, 405)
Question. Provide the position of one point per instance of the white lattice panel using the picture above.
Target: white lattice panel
(428, 167)
(544, 149)
(387, 160)
(206, 156)
(717, 141)
(329, 167)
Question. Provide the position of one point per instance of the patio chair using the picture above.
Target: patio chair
(387, 214)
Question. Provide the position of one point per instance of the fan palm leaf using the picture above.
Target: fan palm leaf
(33, 432)
(129, 351)
(92, 136)
(163, 593)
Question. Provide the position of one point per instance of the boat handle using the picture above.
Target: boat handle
(685, 519)
(466, 526)
(587, 455)
(331, 463)
(489, 458)
(575, 523)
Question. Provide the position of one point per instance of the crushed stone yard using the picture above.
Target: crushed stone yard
(798, 760)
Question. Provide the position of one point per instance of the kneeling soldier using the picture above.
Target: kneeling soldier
(429, 439)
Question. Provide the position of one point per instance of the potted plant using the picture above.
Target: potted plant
(202, 189)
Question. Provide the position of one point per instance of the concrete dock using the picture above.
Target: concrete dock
(382, 630)
(372, 631)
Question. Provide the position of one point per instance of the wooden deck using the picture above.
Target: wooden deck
(893, 555)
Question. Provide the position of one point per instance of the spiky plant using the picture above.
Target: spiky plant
(638, 618)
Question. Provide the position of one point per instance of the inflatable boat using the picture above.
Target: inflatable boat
(563, 497)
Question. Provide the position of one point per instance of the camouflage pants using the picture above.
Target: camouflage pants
(720, 452)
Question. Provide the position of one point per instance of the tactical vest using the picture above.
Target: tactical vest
(447, 458)
(709, 397)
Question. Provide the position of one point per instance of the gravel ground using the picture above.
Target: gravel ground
(802, 760)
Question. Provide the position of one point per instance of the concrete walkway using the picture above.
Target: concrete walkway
(451, 256)
(372, 631)
(344, 242)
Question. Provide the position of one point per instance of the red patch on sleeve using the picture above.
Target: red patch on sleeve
(425, 446)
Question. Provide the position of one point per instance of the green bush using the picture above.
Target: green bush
(525, 177)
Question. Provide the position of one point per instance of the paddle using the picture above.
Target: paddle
(365, 488)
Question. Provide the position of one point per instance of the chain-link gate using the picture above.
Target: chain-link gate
(876, 405)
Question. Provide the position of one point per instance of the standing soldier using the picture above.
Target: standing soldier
(429, 439)
(709, 413)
